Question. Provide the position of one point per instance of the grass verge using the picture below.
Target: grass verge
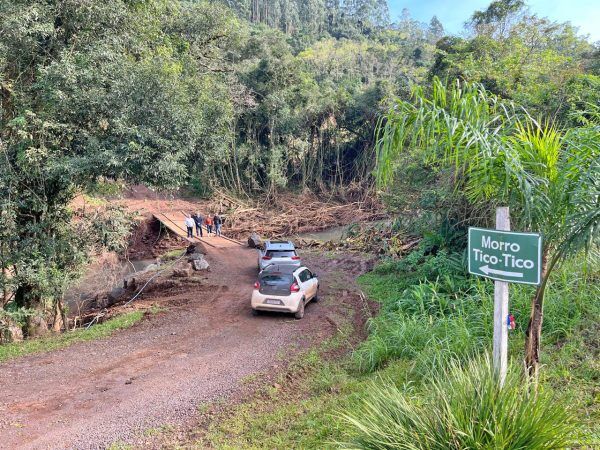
(432, 314)
(58, 341)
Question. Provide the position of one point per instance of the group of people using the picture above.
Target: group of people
(197, 220)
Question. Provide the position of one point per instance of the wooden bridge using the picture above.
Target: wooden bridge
(174, 221)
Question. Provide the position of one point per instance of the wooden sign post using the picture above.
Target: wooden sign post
(500, 352)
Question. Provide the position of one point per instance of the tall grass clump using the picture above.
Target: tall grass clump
(429, 310)
(461, 407)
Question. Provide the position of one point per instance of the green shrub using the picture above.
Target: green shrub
(425, 341)
(426, 321)
(462, 407)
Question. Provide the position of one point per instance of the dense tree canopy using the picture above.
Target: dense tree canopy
(248, 95)
(541, 64)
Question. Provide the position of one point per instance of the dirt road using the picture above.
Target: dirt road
(159, 371)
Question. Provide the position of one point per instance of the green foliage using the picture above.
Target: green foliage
(532, 60)
(461, 407)
(111, 228)
(429, 311)
(308, 117)
(307, 20)
(92, 92)
(493, 149)
(432, 311)
(103, 189)
(499, 155)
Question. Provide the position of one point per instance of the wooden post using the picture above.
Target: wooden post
(500, 351)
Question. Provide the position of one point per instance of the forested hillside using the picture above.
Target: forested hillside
(176, 93)
(250, 96)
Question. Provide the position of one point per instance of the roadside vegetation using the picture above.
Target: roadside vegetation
(55, 342)
(427, 352)
(444, 319)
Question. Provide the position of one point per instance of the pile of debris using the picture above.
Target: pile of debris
(289, 215)
(378, 238)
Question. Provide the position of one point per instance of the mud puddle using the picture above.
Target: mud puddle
(334, 233)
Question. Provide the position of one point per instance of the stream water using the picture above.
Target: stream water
(329, 234)
(334, 233)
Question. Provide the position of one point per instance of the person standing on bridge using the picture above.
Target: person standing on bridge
(190, 223)
(199, 220)
(209, 224)
(218, 222)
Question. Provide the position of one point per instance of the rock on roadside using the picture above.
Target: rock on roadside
(198, 261)
(254, 241)
(10, 331)
(200, 264)
(181, 273)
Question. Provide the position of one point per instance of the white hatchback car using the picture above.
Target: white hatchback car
(285, 288)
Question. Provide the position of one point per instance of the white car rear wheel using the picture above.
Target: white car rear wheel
(300, 313)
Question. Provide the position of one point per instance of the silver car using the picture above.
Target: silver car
(278, 252)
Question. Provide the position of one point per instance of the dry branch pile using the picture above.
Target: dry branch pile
(378, 238)
(289, 215)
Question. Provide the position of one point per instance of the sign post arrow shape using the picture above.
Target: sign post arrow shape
(486, 269)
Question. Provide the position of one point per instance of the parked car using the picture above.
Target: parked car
(286, 288)
(278, 252)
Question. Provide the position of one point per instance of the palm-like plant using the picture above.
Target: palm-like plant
(500, 155)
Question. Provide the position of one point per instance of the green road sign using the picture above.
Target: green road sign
(505, 255)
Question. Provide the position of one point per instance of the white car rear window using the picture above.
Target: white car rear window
(276, 279)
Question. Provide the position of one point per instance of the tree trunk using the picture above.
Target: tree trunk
(60, 317)
(534, 333)
(534, 328)
(5, 296)
(35, 324)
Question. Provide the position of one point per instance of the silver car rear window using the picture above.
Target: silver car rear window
(281, 253)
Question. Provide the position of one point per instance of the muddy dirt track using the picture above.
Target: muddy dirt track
(159, 371)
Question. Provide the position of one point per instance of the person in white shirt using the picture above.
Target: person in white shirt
(190, 224)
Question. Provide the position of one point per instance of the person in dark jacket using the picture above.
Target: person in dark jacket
(199, 220)
(218, 222)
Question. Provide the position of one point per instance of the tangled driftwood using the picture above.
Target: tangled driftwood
(289, 215)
